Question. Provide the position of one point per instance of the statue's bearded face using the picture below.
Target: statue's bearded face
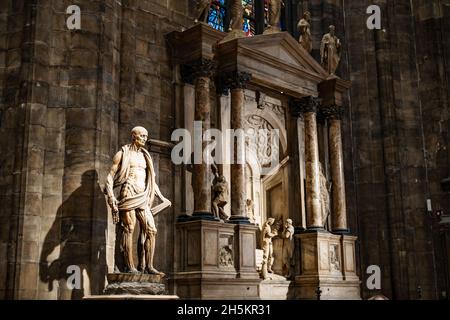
(140, 138)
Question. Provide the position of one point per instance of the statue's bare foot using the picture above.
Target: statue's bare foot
(154, 271)
(133, 271)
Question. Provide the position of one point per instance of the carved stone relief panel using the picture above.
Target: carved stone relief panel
(226, 251)
(260, 135)
(335, 264)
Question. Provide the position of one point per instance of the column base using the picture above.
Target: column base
(216, 261)
(328, 261)
(203, 215)
(341, 231)
(331, 289)
(195, 286)
(239, 220)
(276, 288)
(314, 229)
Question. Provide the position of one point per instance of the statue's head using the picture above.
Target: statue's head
(270, 221)
(307, 15)
(139, 136)
(288, 223)
(332, 30)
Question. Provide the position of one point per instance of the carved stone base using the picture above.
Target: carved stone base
(330, 289)
(190, 287)
(275, 288)
(327, 261)
(216, 260)
(233, 34)
(127, 286)
(132, 297)
(134, 284)
(272, 30)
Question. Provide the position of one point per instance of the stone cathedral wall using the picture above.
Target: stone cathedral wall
(68, 100)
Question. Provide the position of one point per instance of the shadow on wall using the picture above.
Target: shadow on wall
(77, 238)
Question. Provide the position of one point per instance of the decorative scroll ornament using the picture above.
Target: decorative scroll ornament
(261, 138)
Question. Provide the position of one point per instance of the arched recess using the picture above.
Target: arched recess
(270, 117)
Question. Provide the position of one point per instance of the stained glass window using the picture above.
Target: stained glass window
(249, 17)
(216, 16)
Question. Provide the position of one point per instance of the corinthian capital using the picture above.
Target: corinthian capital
(332, 112)
(233, 80)
(198, 68)
(304, 105)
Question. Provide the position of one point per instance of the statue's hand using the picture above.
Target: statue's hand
(113, 203)
(115, 217)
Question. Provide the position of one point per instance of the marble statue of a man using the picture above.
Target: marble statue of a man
(133, 173)
(304, 27)
(330, 51)
(288, 247)
(268, 232)
(274, 15)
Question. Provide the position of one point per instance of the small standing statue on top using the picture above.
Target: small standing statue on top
(220, 194)
(273, 23)
(202, 7)
(330, 51)
(250, 209)
(304, 26)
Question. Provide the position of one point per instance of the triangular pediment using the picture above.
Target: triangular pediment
(285, 49)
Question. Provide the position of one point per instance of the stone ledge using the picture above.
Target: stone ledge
(132, 297)
(278, 288)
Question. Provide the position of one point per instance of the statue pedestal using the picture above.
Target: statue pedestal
(327, 261)
(136, 284)
(275, 287)
(127, 286)
(216, 260)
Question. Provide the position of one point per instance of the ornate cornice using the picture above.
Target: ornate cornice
(304, 105)
(332, 112)
(198, 68)
(232, 80)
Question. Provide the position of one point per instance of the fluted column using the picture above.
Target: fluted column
(200, 73)
(236, 82)
(308, 106)
(339, 212)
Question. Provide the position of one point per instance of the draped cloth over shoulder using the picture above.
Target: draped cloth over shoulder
(142, 200)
